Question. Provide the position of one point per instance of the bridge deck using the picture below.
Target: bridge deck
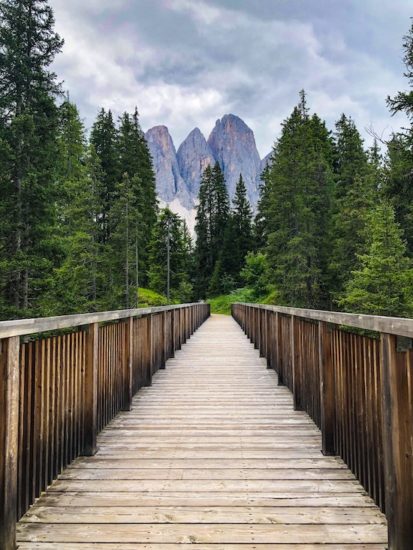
(212, 454)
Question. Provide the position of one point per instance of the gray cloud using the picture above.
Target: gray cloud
(185, 63)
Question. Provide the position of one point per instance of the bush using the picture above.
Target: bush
(150, 298)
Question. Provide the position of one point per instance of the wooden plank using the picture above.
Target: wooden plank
(216, 514)
(201, 533)
(191, 545)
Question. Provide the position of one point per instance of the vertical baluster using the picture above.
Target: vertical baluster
(327, 389)
(9, 412)
(395, 375)
(91, 372)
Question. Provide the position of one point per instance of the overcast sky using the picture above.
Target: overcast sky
(185, 63)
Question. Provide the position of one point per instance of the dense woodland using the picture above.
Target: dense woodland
(81, 229)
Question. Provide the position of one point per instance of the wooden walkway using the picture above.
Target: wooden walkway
(211, 455)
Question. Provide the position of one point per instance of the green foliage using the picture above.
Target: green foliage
(222, 304)
(383, 285)
(72, 287)
(150, 298)
(211, 226)
(404, 100)
(241, 241)
(256, 274)
(296, 208)
(355, 196)
(28, 127)
(170, 243)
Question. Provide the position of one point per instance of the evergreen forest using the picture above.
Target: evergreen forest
(81, 228)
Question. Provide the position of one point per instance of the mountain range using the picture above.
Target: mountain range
(179, 172)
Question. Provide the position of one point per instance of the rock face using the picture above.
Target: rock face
(194, 155)
(169, 182)
(233, 145)
(178, 174)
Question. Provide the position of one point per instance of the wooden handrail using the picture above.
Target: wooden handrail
(398, 326)
(58, 392)
(25, 327)
(357, 389)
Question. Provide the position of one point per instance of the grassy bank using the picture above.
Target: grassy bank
(222, 304)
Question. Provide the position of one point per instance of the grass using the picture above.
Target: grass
(222, 304)
(150, 298)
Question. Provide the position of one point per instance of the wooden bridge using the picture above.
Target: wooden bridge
(300, 439)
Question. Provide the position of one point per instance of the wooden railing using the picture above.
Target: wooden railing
(59, 390)
(353, 374)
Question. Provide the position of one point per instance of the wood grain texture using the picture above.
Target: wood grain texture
(212, 454)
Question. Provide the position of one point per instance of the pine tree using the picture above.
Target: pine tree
(28, 125)
(398, 186)
(260, 228)
(73, 286)
(403, 102)
(213, 215)
(204, 258)
(242, 221)
(135, 160)
(121, 257)
(104, 139)
(297, 209)
(355, 195)
(169, 257)
(383, 283)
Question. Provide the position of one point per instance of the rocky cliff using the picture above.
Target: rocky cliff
(178, 174)
(232, 143)
(194, 155)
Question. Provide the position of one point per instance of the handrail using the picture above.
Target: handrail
(399, 326)
(58, 392)
(357, 389)
(25, 327)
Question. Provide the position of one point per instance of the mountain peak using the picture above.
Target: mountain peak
(233, 145)
(194, 155)
(179, 173)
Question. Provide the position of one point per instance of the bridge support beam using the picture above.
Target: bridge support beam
(9, 414)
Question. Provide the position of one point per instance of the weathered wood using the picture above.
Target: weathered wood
(295, 363)
(91, 389)
(398, 446)
(129, 351)
(365, 407)
(398, 326)
(327, 389)
(212, 452)
(9, 427)
(25, 327)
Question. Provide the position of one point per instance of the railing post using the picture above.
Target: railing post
(327, 388)
(173, 329)
(397, 444)
(149, 350)
(91, 390)
(128, 383)
(164, 342)
(9, 414)
(295, 364)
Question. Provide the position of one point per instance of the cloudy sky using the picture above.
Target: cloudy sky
(185, 63)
